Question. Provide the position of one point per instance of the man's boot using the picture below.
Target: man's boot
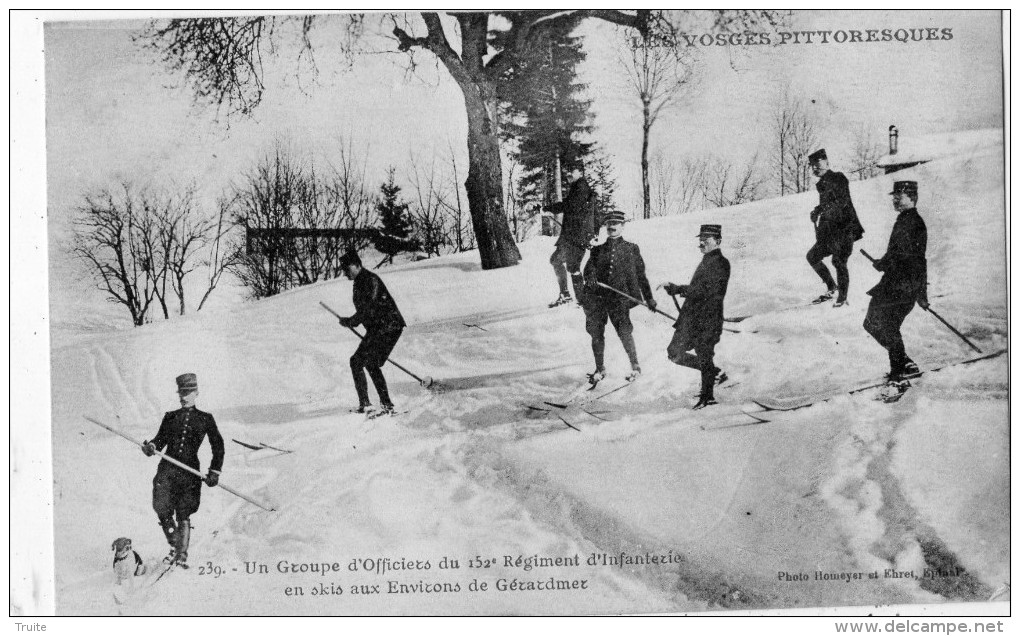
(703, 401)
(183, 538)
(562, 299)
(170, 532)
(824, 297)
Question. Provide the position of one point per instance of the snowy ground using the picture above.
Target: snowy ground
(847, 486)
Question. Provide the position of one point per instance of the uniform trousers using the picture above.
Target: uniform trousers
(370, 355)
(598, 312)
(883, 322)
(840, 250)
(678, 352)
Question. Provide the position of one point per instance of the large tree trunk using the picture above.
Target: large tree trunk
(484, 184)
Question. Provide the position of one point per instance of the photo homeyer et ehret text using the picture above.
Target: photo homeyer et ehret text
(655, 313)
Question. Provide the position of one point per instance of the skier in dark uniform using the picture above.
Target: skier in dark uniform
(375, 308)
(700, 324)
(836, 228)
(576, 235)
(176, 493)
(618, 264)
(904, 281)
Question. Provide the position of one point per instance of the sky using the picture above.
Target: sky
(114, 113)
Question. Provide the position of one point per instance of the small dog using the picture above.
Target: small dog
(124, 566)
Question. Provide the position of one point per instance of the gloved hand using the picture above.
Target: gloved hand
(878, 264)
(673, 289)
(923, 303)
(148, 448)
(345, 322)
(651, 304)
(815, 214)
(212, 478)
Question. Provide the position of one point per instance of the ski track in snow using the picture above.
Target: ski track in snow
(846, 485)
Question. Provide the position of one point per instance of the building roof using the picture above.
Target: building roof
(936, 146)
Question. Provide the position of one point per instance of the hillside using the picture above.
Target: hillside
(847, 486)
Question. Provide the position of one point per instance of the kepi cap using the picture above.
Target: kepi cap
(817, 155)
(187, 382)
(711, 229)
(614, 216)
(910, 187)
(350, 258)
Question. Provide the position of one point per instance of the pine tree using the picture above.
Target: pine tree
(603, 181)
(394, 235)
(545, 113)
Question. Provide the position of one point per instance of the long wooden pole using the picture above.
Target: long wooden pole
(179, 464)
(425, 382)
(628, 296)
(940, 318)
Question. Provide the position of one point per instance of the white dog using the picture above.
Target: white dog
(126, 562)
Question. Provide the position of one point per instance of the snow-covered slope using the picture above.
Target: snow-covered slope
(471, 474)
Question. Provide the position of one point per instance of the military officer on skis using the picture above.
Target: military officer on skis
(836, 229)
(176, 493)
(576, 235)
(700, 324)
(375, 308)
(618, 264)
(904, 281)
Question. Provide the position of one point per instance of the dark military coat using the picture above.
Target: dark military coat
(617, 263)
(904, 266)
(373, 305)
(837, 217)
(701, 317)
(578, 210)
(181, 433)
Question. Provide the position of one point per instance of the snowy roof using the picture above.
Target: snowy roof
(937, 146)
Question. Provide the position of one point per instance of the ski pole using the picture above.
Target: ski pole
(940, 318)
(673, 318)
(179, 464)
(629, 297)
(953, 329)
(868, 256)
(425, 382)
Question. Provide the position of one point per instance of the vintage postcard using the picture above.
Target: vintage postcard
(525, 312)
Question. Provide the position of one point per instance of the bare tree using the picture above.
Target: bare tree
(462, 234)
(795, 132)
(219, 257)
(433, 213)
(351, 195)
(726, 184)
(182, 232)
(691, 184)
(264, 204)
(222, 58)
(111, 235)
(866, 153)
(664, 180)
(657, 75)
(156, 240)
(299, 221)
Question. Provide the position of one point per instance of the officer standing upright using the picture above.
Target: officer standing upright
(700, 324)
(176, 493)
(618, 264)
(576, 235)
(904, 281)
(836, 228)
